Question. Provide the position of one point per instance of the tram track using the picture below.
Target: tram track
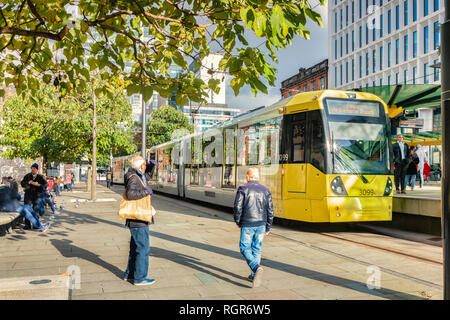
(324, 250)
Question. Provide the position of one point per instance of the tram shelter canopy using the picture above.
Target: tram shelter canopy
(405, 99)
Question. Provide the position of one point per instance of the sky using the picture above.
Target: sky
(302, 53)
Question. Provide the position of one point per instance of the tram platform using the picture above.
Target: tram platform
(418, 210)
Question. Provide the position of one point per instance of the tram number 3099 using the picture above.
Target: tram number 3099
(366, 192)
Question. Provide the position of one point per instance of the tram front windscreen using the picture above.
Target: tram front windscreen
(359, 136)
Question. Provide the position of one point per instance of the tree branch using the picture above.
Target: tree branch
(35, 34)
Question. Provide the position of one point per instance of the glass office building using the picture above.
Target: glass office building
(397, 42)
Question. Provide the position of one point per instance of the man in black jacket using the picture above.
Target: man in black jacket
(401, 160)
(136, 187)
(253, 213)
(34, 185)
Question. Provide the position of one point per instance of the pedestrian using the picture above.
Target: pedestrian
(34, 185)
(411, 169)
(401, 159)
(108, 179)
(253, 213)
(57, 185)
(13, 183)
(138, 260)
(9, 202)
(68, 181)
(422, 160)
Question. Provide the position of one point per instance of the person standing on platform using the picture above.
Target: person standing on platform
(412, 168)
(422, 159)
(108, 179)
(401, 159)
(136, 188)
(253, 213)
(34, 185)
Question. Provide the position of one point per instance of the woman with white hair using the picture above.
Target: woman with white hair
(136, 188)
(422, 159)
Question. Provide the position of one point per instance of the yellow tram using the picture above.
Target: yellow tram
(325, 156)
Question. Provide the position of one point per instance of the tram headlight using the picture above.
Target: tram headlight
(388, 188)
(337, 186)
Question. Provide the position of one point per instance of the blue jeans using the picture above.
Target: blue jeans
(29, 214)
(410, 179)
(137, 268)
(47, 200)
(250, 245)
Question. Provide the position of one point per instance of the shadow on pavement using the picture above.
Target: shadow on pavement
(68, 250)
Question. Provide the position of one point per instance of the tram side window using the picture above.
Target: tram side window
(298, 141)
(317, 144)
(196, 148)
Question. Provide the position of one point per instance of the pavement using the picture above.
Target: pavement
(195, 256)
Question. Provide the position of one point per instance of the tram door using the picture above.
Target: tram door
(295, 169)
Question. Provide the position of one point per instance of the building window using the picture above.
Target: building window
(405, 12)
(396, 78)
(335, 49)
(353, 69)
(341, 19)
(389, 80)
(405, 72)
(360, 67)
(374, 30)
(346, 72)
(425, 8)
(341, 74)
(381, 26)
(335, 78)
(425, 39)
(381, 58)
(342, 46)
(322, 83)
(360, 9)
(374, 61)
(305, 87)
(389, 21)
(436, 72)
(414, 44)
(397, 50)
(389, 54)
(360, 36)
(335, 22)
(346, 15)
(414, 10)
(313, 85)
(353, 11)
(367, 63)
(414, 75)
(405, 42)
(346, 43)
(353, 40)
(367, 34)
(397, 17)
(436, 5)
(436, 35)
(425, 73)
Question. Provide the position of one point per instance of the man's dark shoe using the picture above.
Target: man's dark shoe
(250, 278)
(258, 277)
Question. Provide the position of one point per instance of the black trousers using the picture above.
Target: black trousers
(399, 176)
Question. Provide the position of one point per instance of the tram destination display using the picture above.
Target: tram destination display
(342, 107)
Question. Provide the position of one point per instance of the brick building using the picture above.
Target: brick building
(311, 79)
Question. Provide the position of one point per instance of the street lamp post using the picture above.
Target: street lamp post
(445, 109)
